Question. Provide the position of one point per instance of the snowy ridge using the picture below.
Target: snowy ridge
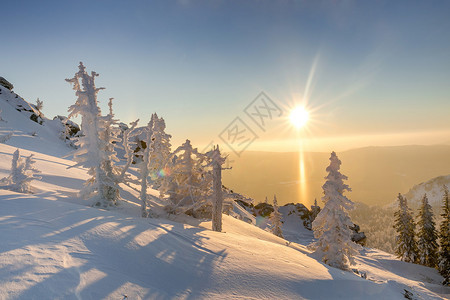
(433, 188)
(27, 134)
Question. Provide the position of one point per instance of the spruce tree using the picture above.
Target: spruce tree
(22, 173)
(427, 235)
(275, 218)
(444, 239)
(332, 225)
(188, 182)
(406, 247)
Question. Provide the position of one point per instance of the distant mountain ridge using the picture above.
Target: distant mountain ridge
(433, 188)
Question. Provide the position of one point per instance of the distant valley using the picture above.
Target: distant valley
(376, 174)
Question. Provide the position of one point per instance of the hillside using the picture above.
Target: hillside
(433, 188)
(55, 245)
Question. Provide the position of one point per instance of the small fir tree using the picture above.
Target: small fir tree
(188, 182)
(332, 225)
(444, 239)
(275, 219)
(39, 104)
(159, 151)
(22, 173)
(406, 247)
(426, 238)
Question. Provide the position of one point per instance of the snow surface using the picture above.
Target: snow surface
(433, 188)
(55, 246)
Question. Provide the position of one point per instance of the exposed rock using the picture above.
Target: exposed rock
(302, 212)
(263, 210)
(72, 127)
(6, 83)
(358, 237)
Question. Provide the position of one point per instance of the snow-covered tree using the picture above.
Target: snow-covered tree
(159, 151)
(315, 210)
(22, 173)
(332, 225)
(39, 104)
(427, 235)
(406, 246)
(444, 239)
(96, 146)
(275, 219)
(188, 183)
(216, 161)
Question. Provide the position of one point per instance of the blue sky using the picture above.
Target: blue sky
(381, 68)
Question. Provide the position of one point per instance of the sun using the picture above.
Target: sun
(299, 117)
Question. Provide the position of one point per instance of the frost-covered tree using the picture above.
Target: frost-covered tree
(22, 173)
(332, 225)
(315, 210)
(96, 146)
(39, 104)
(188, 183)
(427, 235)
(444, 239)
(153, 157)
(406, 246)
(275, 219)
(159, 151)
(216, 162)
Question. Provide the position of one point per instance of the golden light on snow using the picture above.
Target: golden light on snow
(299, 117)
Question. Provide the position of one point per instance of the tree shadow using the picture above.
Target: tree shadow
(158, 260)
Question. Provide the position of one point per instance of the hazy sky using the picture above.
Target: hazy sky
(371, 72)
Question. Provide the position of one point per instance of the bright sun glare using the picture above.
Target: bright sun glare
(299, 117)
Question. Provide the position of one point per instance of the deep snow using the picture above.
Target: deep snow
(55, 246)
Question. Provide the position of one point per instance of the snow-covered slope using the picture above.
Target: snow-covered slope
(27, 134)
(54, 245)
(433, 188)
(55, 249)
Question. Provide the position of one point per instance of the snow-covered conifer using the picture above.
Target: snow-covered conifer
(216, 161)
(22, 173)
(332, 225)
(188, 182)
(426, 238)
(275, 219)
(444, 239)
(406, 247)
(159, 151)
(144, 164)
(315, 210)
(96, 147)
(39, 104)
